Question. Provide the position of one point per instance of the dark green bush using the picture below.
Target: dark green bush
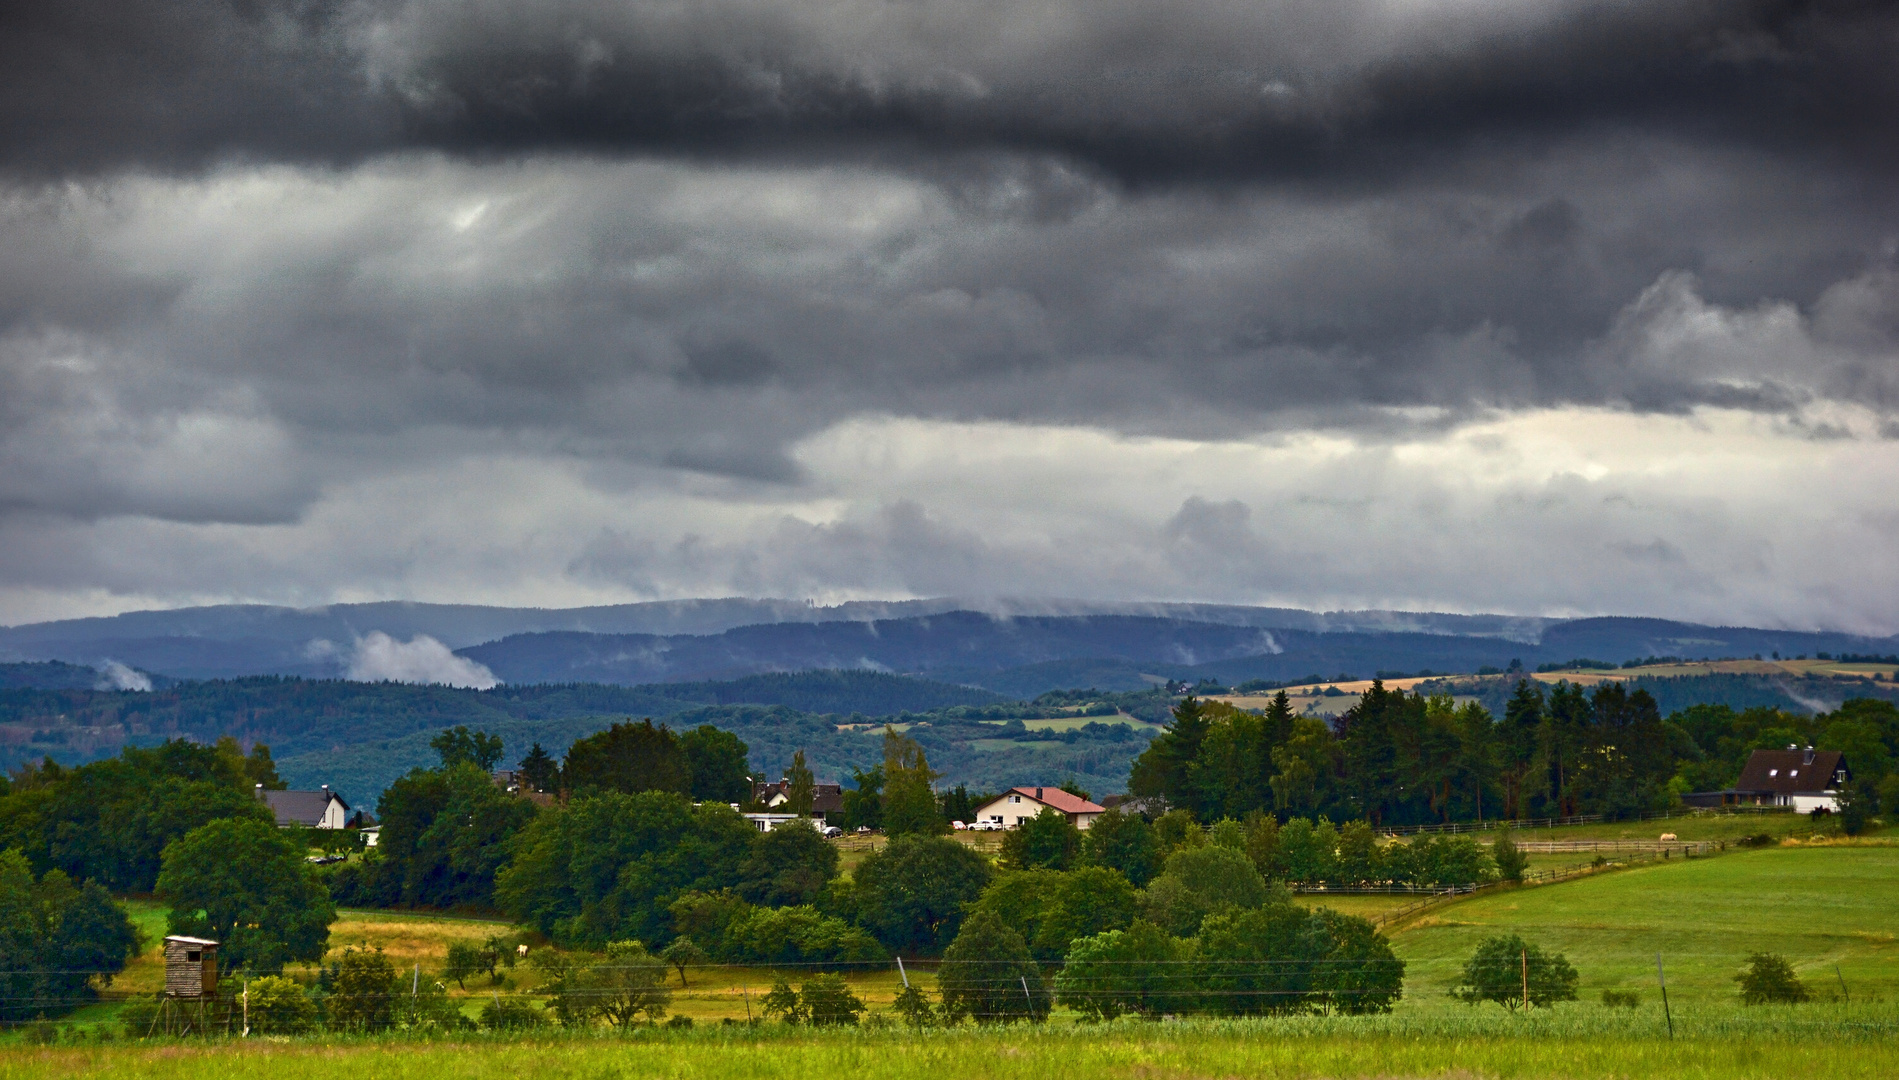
(1769, 979)
(1621, 999)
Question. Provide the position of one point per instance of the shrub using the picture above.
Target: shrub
(1199, 881)
(1757, 840)
(783, 1003)
(1119, 972)
(913, 893)
(464, 959)
(279, 1006)
(1083, 902)
(1769, 979)
(628, 982)
(1508, 970)
(1357, 972)
(1044, 842)
(914, 1006)
(511, 1014)
(1620, 999)
(795, 935)
(987, 974)
(362, 991)
(828, 1000)
(137, 1017)
(1510, 862)
(426, 1006)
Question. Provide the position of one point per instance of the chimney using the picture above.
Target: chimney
(1808, 760)
(326, 793)
(1038, 793)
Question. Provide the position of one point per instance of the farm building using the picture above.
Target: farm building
(1018, 804)
(323, 809)
(1802, 780)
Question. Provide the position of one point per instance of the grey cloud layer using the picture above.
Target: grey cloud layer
(1352, 92)
(348, 275)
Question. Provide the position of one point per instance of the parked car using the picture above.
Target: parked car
(986, 826)
(958, 826)
(833, 831)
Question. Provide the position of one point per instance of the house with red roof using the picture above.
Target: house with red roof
(1018, 804)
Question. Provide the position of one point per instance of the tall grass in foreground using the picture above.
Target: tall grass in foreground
(1581, 1043)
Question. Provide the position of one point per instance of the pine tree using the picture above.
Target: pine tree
(801, 786)
(538, 769)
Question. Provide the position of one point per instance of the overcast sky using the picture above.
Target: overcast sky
(1528, 307)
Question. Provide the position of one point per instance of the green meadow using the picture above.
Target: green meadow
(1122, 1051)
(1828, 907)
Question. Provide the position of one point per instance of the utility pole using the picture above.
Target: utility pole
(1026, 996)
(902, 973)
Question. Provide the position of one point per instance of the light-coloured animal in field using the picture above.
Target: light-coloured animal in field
(1667, 837)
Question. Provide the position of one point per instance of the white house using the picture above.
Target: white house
(323, 809)
(768, 822)
(1017, 805)
(1803, 780)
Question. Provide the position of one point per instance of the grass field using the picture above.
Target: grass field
(1122, 1051)
(1830, 910)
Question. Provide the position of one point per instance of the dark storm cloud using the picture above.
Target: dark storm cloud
(1351, 93)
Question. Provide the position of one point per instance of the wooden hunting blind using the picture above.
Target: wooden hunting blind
(191, 967)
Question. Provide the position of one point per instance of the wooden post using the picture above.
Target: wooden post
(1026, 996)
(1842, 978)
(903, 974)
(247, 1007)
(1663, 979)
(1526, 982)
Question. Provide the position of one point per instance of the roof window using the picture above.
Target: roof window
(1773, 772)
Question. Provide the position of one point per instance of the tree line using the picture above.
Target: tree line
(1405, 759)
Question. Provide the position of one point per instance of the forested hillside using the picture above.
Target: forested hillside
(359, 736)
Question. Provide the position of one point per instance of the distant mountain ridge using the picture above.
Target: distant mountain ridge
(1014, 646)
(1024, 656)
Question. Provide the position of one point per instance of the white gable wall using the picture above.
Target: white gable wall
(1014, 808)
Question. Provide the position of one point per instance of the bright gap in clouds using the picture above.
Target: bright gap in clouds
(1717, 516)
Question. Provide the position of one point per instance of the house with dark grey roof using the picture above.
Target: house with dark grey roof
(323, 809)
(826, 799)
(1801, 780)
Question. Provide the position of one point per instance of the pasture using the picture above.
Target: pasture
(1827, 907)
(1339, 1048)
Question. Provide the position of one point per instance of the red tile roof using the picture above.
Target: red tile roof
(1059, 799)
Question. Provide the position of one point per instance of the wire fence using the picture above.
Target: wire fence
(1583, 819)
